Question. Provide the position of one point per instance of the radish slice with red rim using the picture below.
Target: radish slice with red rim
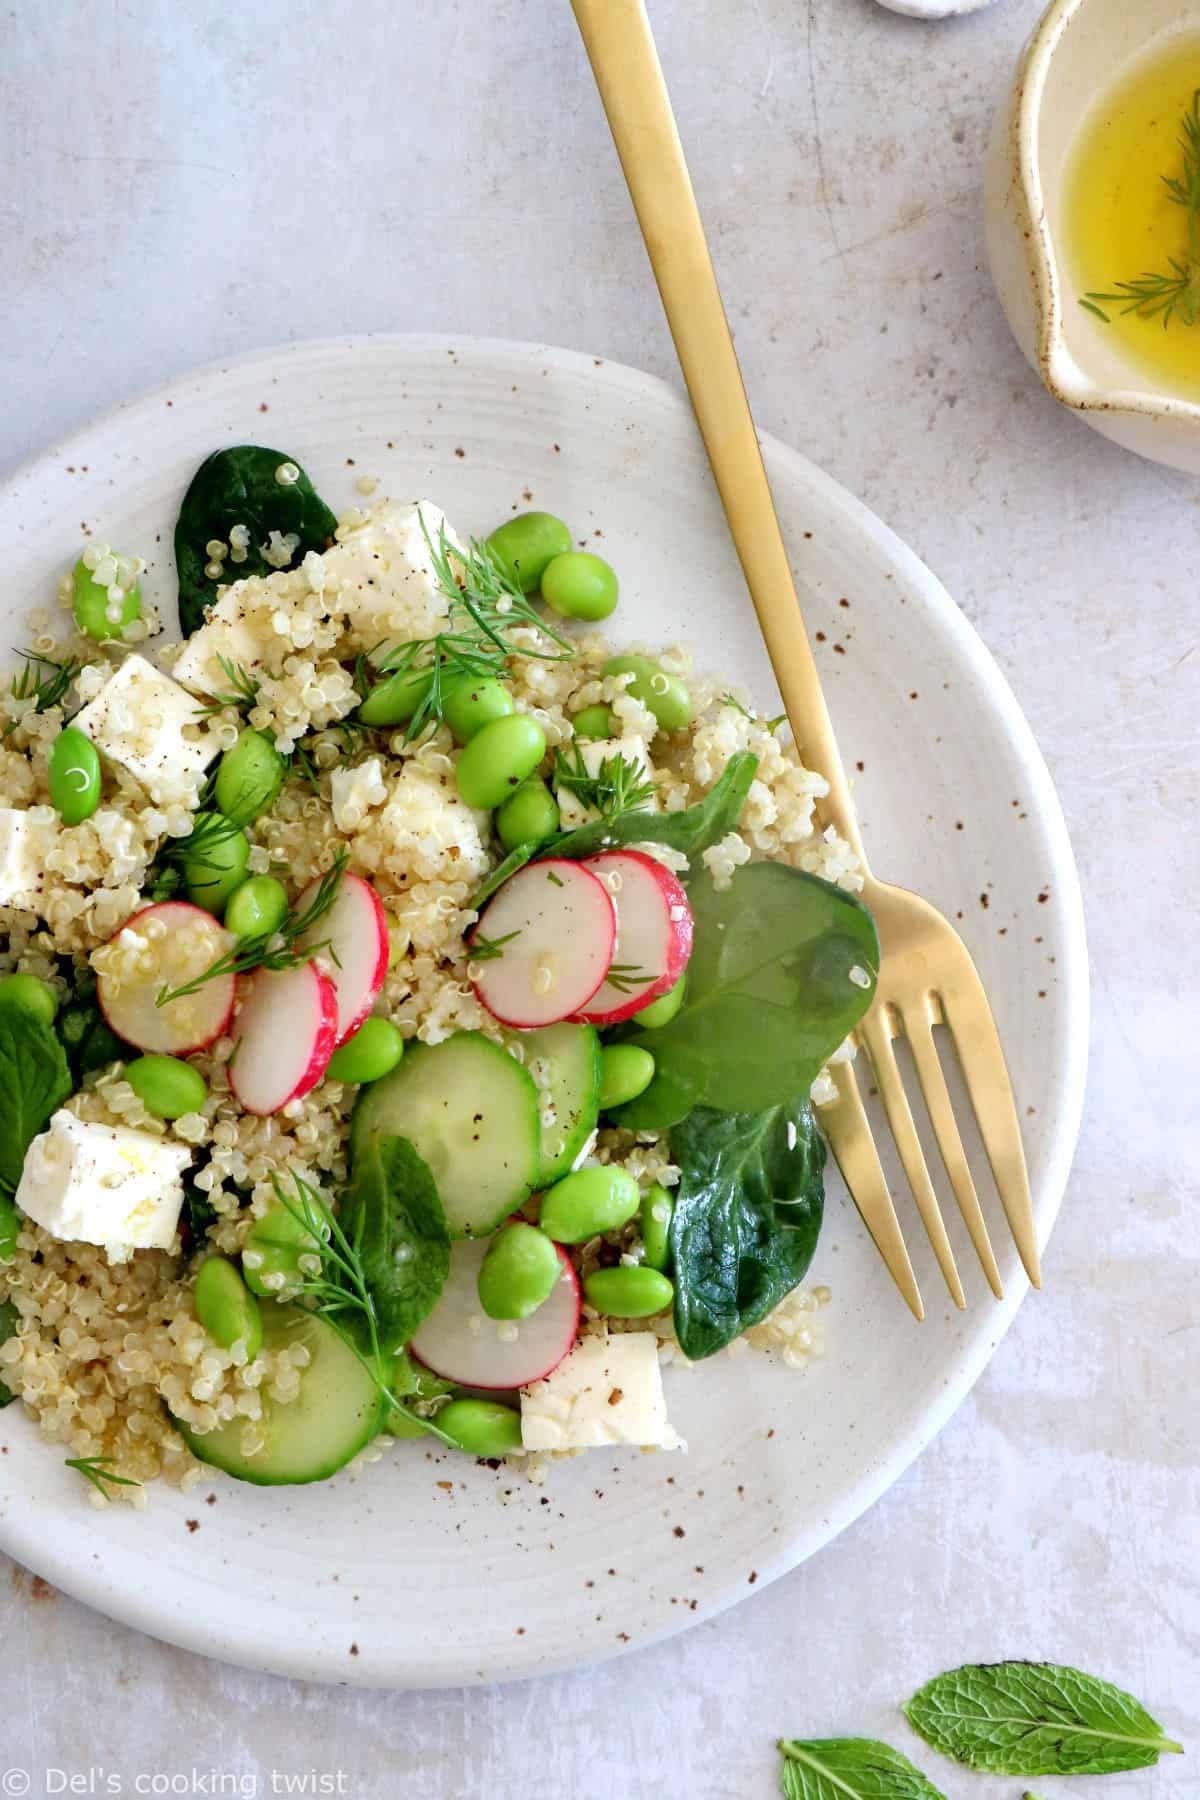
(166, 946)
(354, 932)
(654, 934)
(544, 945)
(286, 1029)
(460, 1343)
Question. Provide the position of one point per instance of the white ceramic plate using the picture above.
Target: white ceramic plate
(412, 1571)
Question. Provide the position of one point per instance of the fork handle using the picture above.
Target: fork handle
(624, 60)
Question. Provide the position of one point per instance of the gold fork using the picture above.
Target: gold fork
(926, 976)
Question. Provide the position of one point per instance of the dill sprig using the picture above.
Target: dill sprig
(44, 690)
(626, 976)
(98, 1470)
(748, 713)
(486, 949)
(1175, 294)
(241, 696)
(485, 609)
(620, 784)
(341, 1294)
(209, 831)
(275, 950)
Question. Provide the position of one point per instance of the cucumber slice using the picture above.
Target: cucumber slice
(335, 1415)
(471, 1111)
(572, 1086)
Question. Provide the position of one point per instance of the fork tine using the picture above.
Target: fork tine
(981, 1058)
(845, 1124)
(876, 1035)
(941, 1112)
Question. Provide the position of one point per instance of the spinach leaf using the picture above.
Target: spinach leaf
(746, 1219)
(34, 1082)
(769, 995)
(849, 1769)
(392, 1215)
(89, 1041)
(9, 1320)
(691, 830)
(238, 487)
(1025, 1718)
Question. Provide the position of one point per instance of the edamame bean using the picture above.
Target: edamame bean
(657, 1210)
(481, 1427)
(470, 705)
(665, 695)
(25, 993)
(663, 1010)
(395, 700)
(588, 1202)
(167, 1087)
(529, 816)
(594, 722)
(249, 777)
(10, 1225)
(272, 1251)
(498, 759)
(259, 905)
(628, 1293)
(217, 867)
(226, 1308)
(625, 1072)
(580, 586)
(523, 546)
(74, 768)
(518, 1273)
(96, 611)
(372, 1052)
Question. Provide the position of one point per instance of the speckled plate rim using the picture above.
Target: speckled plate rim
(251, 1641)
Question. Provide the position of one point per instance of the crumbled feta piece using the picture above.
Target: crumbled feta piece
(380, 574)
(595, 752)
(104, 1184)
(429, 827)
(238, 632)
(147, 723)
(353, 792)
(25, 838)
(606, 1391)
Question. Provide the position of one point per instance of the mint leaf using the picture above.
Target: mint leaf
(34, 1082)
(850, 1769)
(1025, 1718)
(393, 1217)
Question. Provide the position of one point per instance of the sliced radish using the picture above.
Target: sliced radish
(460, 1343)
(654, 935)
(286, 1029)
(544, 944)
(355, 931)
(165, 946)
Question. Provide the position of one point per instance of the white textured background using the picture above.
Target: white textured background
(180, 179)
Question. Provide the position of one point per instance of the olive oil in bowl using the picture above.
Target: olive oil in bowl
(1131, 217)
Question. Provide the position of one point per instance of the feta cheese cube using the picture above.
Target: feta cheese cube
(238, 632)
(353, 792)
(606, 1391)
(148, 724)
(104, 1184)
(380, 575)
(25, 839)
(595, 752)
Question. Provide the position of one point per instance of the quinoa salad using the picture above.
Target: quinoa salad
(414, 1014)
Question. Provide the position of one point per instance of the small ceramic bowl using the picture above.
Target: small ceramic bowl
(1072, 57)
